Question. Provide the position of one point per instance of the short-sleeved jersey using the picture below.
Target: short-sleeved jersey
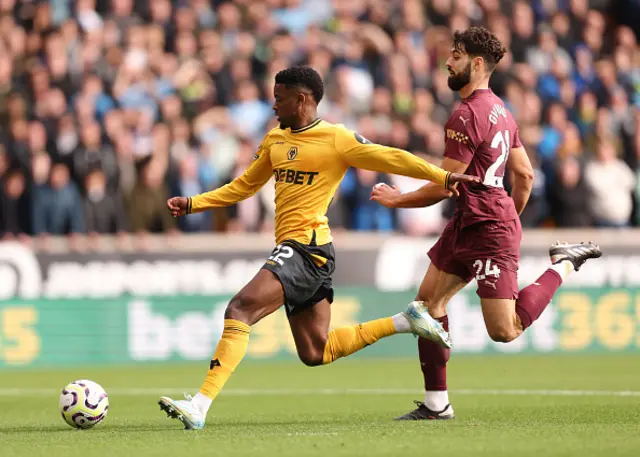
(308, 165)
(481, 133)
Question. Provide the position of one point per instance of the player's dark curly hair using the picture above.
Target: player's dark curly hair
(302, 76)
(480, 42)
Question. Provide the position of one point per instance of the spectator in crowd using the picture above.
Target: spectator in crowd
(148, 201)
(15, 219)
(104, 209)
(611, 183)
(57, 206)
(18, 146)
(248, 112)
(367, 215)
(37, 142)
(188, 183)
(92, 153)
(570, 196)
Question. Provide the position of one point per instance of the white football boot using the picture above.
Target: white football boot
(422, 324)
(183, 410)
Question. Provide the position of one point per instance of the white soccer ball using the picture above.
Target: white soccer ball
(83, 404)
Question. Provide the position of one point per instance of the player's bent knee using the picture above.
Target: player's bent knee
(242, 308)
(503, 334)
(311, 358)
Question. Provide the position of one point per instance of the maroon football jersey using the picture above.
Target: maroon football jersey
(481, 133)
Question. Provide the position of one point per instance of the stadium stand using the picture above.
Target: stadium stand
(108, 107)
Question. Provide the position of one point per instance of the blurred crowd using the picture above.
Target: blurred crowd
(108, 107)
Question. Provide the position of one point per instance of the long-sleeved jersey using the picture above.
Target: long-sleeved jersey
(308, 165)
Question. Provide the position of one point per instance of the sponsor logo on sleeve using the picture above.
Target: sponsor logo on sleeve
(457, 136)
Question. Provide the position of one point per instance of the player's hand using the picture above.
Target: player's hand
(384, 194)
(456, 178)
(177, 206)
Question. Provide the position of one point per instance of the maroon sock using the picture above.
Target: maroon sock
(433, 359)
(535, 298)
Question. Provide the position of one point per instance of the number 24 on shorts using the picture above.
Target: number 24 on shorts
(489, 270)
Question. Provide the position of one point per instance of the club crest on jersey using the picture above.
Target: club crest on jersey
(360, 139)
(293, 153)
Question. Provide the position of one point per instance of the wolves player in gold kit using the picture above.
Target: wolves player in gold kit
(308, 158)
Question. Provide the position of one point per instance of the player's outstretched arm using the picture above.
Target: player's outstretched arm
(391, 197)
(427, 195)
(241, 188)
(360, 153)
(522, 172)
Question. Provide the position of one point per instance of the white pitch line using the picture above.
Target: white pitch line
(119, 391)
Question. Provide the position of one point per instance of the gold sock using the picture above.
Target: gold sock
(230, 351)
(344, 341)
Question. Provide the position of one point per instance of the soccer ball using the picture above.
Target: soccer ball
(83, 404)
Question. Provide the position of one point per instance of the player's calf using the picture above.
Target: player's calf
(501, 320)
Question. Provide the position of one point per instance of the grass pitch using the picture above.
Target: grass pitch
(506, 406)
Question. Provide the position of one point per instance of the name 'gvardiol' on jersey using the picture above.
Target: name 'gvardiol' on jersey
(308, 165)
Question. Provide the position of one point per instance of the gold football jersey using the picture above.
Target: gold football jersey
(308, 165)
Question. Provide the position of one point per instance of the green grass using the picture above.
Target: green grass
(275, 418)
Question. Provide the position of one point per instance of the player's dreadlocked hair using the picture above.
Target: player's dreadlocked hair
(480, 42)
(302, 76)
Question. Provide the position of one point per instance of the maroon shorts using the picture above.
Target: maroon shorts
(487, 251)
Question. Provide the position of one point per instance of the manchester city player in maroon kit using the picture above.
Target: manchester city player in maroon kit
(482, 240)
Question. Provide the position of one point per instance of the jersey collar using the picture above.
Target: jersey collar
(307, 127)
(480, 92)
